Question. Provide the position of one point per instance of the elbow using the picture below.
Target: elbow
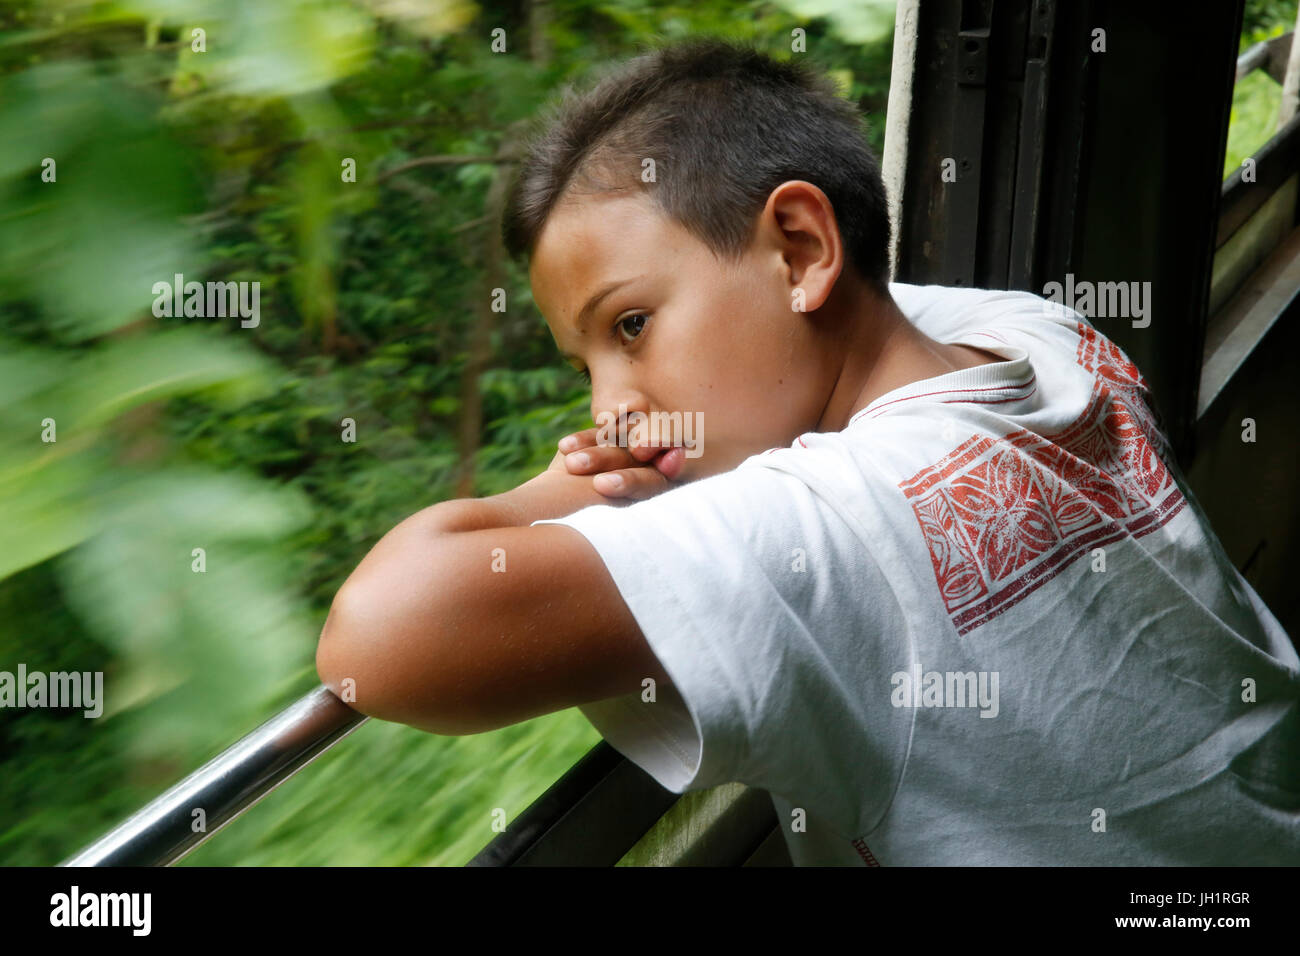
(334, 656)
(365, 659)
(341, 661)
(382, 649)
(377, 653)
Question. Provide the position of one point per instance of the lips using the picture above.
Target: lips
(669, 461)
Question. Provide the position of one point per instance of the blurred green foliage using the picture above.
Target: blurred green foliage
(1257, 97)
(175, 433)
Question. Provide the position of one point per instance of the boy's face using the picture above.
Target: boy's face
(685, 333)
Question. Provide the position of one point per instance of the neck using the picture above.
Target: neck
(876, 349)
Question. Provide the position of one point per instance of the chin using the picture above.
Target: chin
(705, 466)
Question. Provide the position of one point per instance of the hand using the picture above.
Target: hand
(639, 478)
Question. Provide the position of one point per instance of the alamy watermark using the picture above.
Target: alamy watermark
(75, 908)
(1114, 300)
(662, 429)
(209, 300)
(59, 689)
(947, 689)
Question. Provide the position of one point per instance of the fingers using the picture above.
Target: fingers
(644, 453)
(571, 443)
(597, 458)
(631, 483)
(580, 440)
(584, 454)
(619, 472)
(586, 439)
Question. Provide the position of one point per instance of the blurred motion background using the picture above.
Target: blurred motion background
(178, 433)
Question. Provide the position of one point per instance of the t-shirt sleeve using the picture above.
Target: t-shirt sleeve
(777, 629)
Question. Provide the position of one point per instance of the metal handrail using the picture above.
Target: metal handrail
(226, 786)
(1269, 55)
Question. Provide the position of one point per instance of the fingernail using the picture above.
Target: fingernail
(580, 461)
(568, 443)
(612, 482)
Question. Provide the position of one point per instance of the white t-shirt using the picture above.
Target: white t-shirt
(986, 623)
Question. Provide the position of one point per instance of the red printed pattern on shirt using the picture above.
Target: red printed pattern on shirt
(865, 852)
(1002, 517)
(1098, 354)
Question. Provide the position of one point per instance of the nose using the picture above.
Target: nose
(612, 409)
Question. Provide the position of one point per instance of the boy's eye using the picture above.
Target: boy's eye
(639, 319)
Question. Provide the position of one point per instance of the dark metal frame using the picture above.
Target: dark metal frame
(571, 824)
(1133, 199)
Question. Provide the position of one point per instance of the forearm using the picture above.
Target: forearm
(394, 563)
(552, 494)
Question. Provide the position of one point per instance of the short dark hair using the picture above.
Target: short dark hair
(725, 124)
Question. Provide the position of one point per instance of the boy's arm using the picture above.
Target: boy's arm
(463, 619)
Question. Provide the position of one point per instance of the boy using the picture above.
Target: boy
(930, 577)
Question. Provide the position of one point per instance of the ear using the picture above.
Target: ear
(799, 223)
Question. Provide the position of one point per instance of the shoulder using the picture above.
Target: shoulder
(937, 309)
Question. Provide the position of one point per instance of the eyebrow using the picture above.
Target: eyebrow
(588, 310)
